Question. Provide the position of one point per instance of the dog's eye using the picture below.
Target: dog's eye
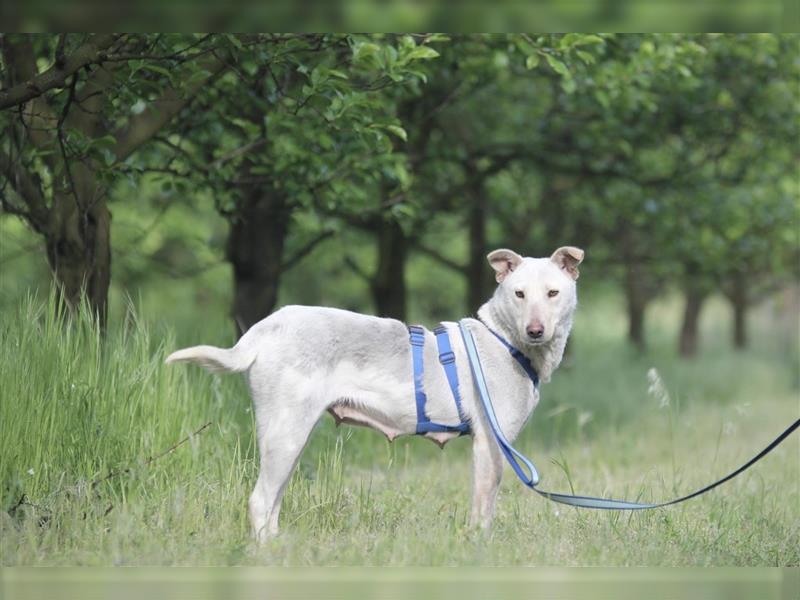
(552, 293)
(519, 294)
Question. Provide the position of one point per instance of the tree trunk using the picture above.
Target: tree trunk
(255, 251)
(638, 286)
(738, 299)
(689, 337)
(636, 298)
(78, 244)
(388, 285)
(478, 275)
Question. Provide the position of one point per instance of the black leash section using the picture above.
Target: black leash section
(527, 473)
(603, 503)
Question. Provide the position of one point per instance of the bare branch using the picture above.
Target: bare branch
(305, 250)
(62, 145)
(55, 76)
(353, 266)
(440, 258)
(152, 459)
(238, 152)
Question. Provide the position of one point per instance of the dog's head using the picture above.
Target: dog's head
(536, 296)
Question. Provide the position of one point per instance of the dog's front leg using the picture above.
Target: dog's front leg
(487, 470)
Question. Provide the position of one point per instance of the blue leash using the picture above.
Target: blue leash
(525, 469)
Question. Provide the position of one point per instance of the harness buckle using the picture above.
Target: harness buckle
(416, 335)
(447, 358)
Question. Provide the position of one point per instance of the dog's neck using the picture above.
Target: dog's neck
(545, 357)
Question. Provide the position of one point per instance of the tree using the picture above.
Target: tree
(307, 126)
(482, 92)
(68, 129)
(662, 128)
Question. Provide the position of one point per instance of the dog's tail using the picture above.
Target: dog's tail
(216, 360)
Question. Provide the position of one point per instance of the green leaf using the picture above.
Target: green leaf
(438, 37)
(580, 39)
(107, 141)
(569, 85)
(532, 61)
(422, 53)
(157, 69)
(365, 50)
(602, 98)
(398, 131)
(233, 39)
(558, 66)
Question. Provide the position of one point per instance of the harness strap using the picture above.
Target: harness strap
(523, 360)
(530, 478)
(416, 336)
(447, 358)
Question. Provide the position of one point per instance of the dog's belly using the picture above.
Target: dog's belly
(350, 415)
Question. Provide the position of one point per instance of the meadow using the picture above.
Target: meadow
(95, 469)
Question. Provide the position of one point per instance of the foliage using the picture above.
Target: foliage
(672, 157)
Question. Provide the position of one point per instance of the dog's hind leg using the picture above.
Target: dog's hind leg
(280, 441)
(487, 470)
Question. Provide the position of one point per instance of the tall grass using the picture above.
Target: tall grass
(93, 470)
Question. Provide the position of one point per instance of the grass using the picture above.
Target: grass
(75, 408)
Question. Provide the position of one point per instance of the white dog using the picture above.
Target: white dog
(302, 361)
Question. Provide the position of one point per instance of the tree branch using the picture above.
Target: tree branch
(150, 459)
(28, 190)
(353, 266)
(56, 76)
(61, 143)
(305, 250)
(146, 124)
(440, 258)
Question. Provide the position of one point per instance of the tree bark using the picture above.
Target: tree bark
(638, 286)
(636, 298)
(255, 251)
(689, 336)
(388, 285)
(78, 244)
(738, 299)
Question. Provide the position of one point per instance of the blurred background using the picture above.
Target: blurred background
(215, 178)
(402, 15)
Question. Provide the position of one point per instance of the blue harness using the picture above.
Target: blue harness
(447, 359)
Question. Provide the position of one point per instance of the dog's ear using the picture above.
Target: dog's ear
(568, 258)
(503, 262)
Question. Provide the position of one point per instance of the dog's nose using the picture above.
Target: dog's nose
(535, 331)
